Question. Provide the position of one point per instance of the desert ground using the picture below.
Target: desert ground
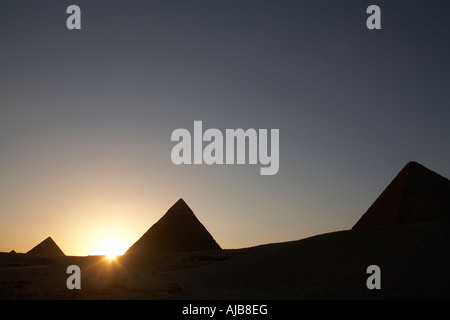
(405, 233)
(414, 261)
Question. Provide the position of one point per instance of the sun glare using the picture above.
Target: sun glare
(111, 247)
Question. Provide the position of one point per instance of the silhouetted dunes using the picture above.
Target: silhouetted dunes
(413, 259)
(406, 232)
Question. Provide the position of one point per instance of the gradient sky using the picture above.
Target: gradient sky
(86, 116)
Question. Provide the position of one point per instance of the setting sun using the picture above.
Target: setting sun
(110, 246)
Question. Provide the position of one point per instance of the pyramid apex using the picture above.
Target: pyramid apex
(47, 246)
(179, 208)
(416, 194)
(181, 201)
(176, 231)
(414, 164)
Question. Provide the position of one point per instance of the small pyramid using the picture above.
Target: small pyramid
(178, 230)
(416, 194)
(48, 246)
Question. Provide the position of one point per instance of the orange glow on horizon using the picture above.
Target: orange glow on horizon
(110, 245)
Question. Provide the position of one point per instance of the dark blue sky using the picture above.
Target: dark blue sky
(86, 116)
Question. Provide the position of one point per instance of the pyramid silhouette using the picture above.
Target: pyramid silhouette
(48, 246)
(178, 230)
(416, 194)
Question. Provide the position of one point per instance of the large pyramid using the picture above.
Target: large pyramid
(417, 194)
(48, 246)
(178, 230)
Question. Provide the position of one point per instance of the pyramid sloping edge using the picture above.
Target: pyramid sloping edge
(47, 246)
(178, 230)
(416, 194)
